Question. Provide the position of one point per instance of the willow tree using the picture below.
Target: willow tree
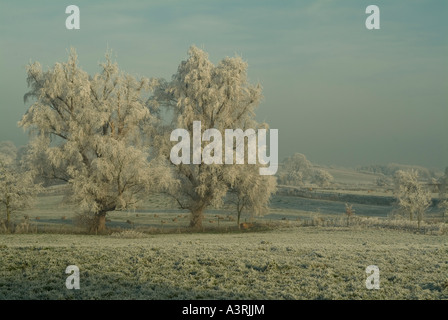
(86, 130)
(219, 97)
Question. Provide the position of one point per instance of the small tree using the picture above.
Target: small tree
(411, 196)
(443, 193)
(443, 181)
(250, 192)
(322, 177)
(17, 187)
(382, 181)
(444, 205)
(295, 170)
(349, 211)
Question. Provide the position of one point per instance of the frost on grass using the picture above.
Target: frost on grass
(128, 234)
(295, 263)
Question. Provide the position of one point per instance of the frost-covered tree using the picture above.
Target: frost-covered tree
(444, 205)
(294, 178)
(17, 187)
(295, 170)
(443, 192)
(412, 197)
(220, 97)
(382, 181)
(350, 212)
(443, 185)
(250, 192)
(86, 130)
(322, 177)
(8, 151)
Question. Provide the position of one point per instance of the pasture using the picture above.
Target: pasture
(285, 263)
(301, 249)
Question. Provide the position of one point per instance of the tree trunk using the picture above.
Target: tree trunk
(196, 218)
(99, 223)
(419, 218)
(8, 216)
(238, 218)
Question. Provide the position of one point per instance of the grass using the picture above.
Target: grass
(285, 263)
(301, 250)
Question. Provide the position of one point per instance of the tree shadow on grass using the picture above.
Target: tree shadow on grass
(24, 285)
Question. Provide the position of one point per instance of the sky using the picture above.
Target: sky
(337, 92)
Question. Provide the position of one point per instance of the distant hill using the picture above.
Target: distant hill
(352, 177)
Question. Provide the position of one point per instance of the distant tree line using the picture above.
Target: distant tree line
(391, 169)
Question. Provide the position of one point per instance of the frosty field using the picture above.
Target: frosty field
(302, 249)
(286, 263)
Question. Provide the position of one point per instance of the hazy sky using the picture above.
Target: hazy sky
(337, 92)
